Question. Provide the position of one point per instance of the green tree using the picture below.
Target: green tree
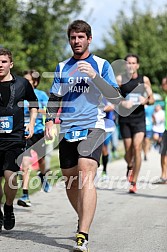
(35, 32)
(44, 31)
(144, 34)
(10, 31)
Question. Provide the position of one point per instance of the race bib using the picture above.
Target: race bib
(6, 124)
(134, 97)
(76, 135)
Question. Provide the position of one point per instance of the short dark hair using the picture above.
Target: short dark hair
(132, 55)
(34, 74)
(79, 26)
(4, 51)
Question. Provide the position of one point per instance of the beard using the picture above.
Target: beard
(79, 52)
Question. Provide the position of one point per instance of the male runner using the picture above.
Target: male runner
(13, 91)
(80, 83)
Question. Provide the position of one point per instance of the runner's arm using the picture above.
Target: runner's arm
(53, 106)
(52, 110)
(150, 97)
(111, 93)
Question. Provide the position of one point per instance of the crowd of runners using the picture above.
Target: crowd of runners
(86, 90)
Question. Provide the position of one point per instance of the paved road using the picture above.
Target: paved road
(123, 222)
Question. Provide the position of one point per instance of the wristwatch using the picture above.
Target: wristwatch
(49, 119)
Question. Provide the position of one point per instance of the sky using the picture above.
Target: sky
(100, 14)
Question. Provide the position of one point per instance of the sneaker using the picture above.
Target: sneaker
(160, 181)
(104, 176)
(81, 244)
(132, 188)
(1, 220)
(157, 146)
(9, 220)
(115, 155)
(24, 201)
(45, 184)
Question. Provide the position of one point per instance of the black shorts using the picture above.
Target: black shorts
(70, 152)
(163, 147)
(9, 155)
(36, 143)
(128, 130)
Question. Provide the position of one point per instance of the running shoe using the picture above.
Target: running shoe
(24, 201)
(81, 244)
(45, 184)
(160, 181)
(8, 220)
(1, 220)
(115, 154)
(104, 176)
(132, 188)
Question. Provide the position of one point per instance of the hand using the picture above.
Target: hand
(85, 67)
(109, 107)
(143, 100)
(49, 131)
(30, 129)
(127, 104)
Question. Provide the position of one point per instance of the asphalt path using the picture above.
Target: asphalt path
(123, 222)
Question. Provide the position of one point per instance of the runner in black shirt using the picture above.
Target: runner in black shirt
(13, 91)
(137, 92)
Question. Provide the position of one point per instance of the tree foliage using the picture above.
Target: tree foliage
(44, 31)
(144, 34)
(35, 31)
(10, 31)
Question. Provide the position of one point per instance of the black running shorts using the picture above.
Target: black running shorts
(129, 129)
(8, 157)
(70, 152)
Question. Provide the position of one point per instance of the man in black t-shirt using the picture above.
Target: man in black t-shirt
(137, 92)
(13, 91)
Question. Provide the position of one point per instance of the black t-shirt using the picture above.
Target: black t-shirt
(132, 89)
(12, 96)
(4, 93)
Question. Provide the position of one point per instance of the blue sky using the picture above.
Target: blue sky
(99, 14)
